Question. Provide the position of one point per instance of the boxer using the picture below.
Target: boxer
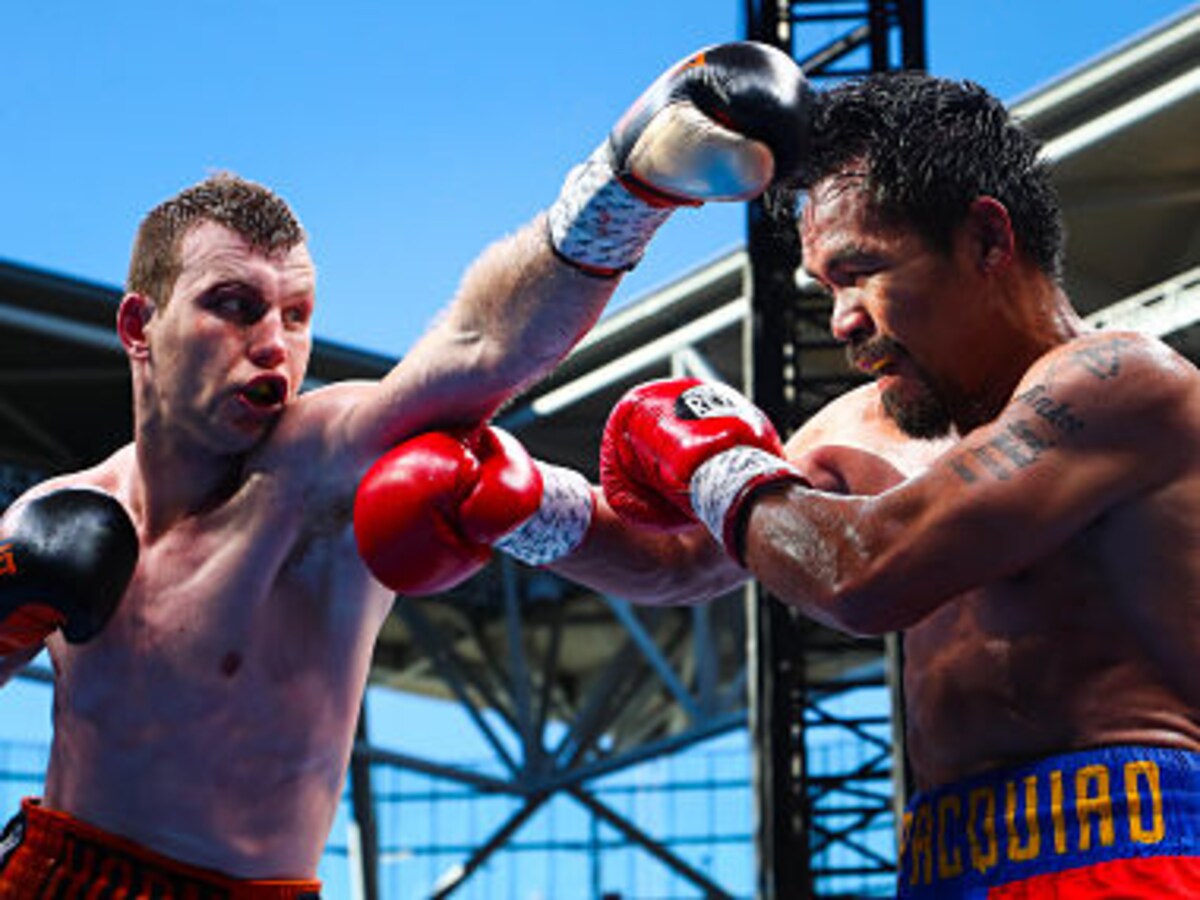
(1037, 544)
(202, 736)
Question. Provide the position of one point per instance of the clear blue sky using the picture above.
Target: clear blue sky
(407, 135)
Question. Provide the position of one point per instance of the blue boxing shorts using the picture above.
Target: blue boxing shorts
(1105, 823)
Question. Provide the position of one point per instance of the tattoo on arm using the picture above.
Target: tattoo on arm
(986, 458)
(1056, 413)
(1025, 439)
(1021, 444)
(1100, 358)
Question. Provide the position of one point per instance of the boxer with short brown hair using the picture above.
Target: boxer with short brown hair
(203, 733)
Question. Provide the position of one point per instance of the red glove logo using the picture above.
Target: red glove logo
(8, 562)
(712, 399)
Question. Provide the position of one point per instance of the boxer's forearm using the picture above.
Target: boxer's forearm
(519, 311)
(717, 126)
(649, 567)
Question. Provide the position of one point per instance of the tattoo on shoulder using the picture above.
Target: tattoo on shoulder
(1026, 439)
(1102, 359)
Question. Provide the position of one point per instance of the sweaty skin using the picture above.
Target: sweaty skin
(1044, 568)
(212, 720)
(1040, 661)
(1042, 560)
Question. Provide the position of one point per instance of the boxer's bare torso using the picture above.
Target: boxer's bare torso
(1092, 645)
(212, 719)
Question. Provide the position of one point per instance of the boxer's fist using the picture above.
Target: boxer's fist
(719, 125)
(426, 514)
(684, 450)
(65, 562)
(716, 126)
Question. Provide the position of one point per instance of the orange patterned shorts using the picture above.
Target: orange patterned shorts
(49, 855)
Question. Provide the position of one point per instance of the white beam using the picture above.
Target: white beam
(1161, 310)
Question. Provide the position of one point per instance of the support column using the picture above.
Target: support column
(362, 806)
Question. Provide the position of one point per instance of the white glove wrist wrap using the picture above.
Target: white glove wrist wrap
(718, 486)
(560, 523)
(596, 223)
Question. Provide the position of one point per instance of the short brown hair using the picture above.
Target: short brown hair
(253, 211)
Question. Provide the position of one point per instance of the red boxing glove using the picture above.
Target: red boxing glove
(683, 450)
(28, 627)
(428, 513)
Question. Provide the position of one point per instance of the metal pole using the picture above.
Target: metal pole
(362, 801)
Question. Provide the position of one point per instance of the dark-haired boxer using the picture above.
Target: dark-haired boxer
(201, 738)
(1038, 544)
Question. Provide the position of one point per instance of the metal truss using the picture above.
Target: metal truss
(657, 693)
(810, 839)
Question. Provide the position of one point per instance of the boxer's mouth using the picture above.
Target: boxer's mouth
(875, 358)
(874, 364)
(266, 392)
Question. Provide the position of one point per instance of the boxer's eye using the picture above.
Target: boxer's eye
(236, 302)
(297, 315)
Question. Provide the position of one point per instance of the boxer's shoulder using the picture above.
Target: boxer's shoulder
(313, 429)
(855, 424)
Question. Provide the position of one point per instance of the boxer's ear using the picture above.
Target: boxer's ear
(132, 317)
(990, 231)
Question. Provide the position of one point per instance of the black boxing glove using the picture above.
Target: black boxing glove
(64, 563)
(719, 125)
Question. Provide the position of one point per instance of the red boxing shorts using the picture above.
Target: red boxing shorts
(1107, 823)
(49, 855)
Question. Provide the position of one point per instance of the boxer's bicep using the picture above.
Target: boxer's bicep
(359, 421)
(498, 337)
(1091, 426)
